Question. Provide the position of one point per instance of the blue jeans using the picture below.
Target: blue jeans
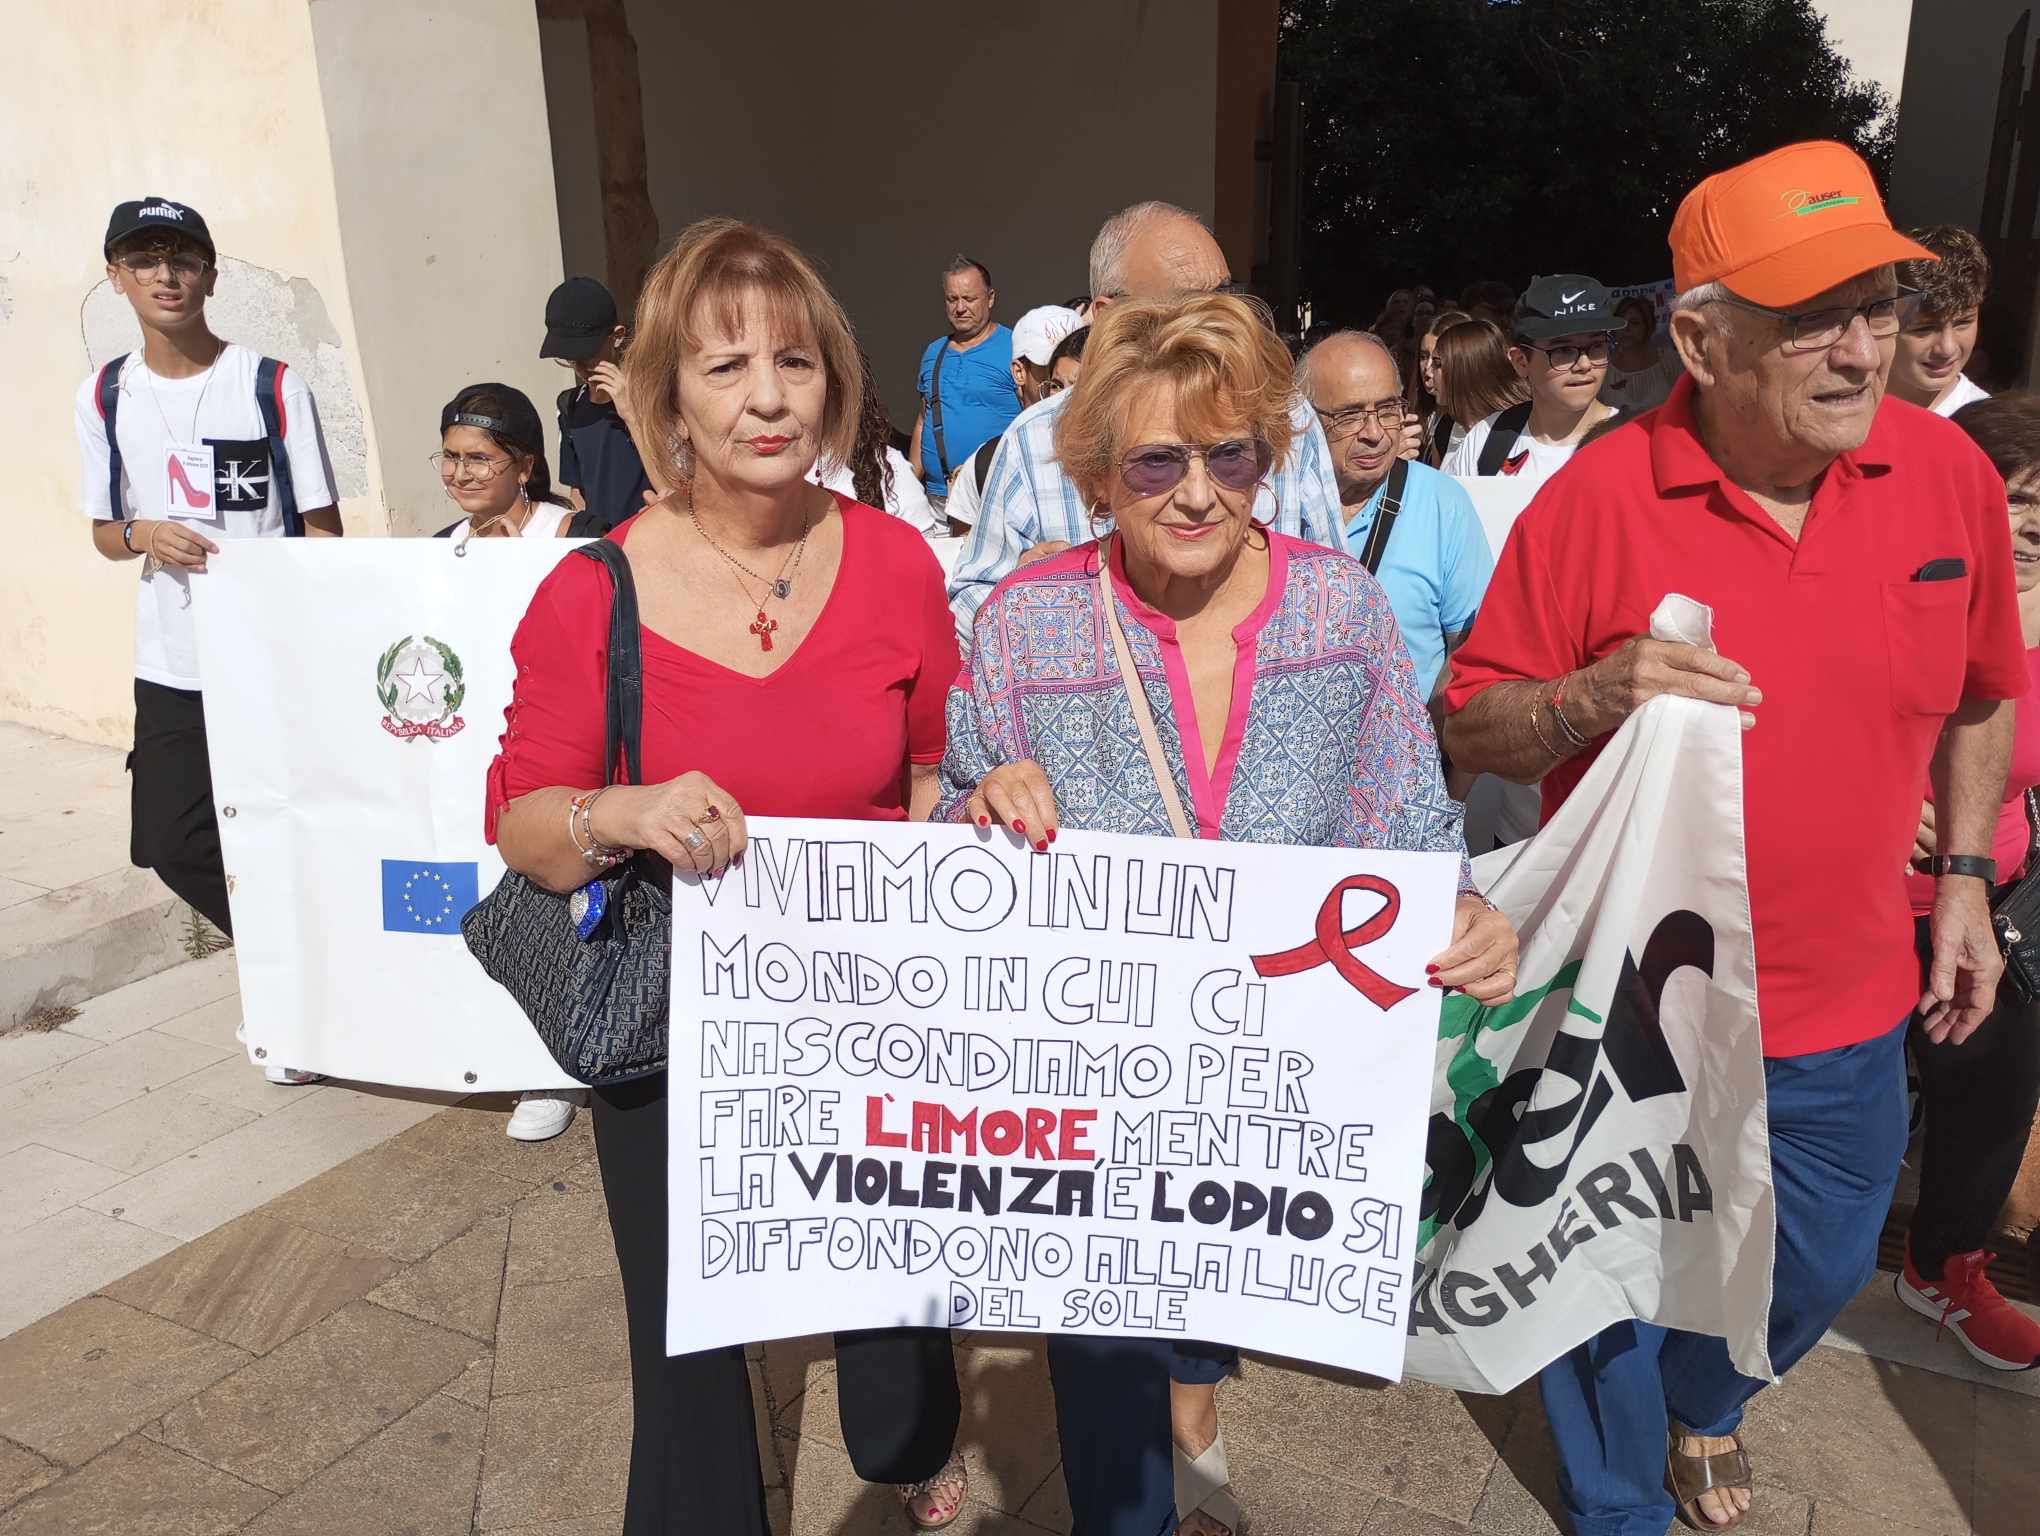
(1838, 1129)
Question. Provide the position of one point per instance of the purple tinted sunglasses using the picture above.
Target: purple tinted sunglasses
(1156, 468)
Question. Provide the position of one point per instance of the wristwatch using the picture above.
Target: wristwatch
(1963, 864)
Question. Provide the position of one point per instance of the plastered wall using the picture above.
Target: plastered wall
(217, 105)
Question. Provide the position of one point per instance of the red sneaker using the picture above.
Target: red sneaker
(1964, 1301)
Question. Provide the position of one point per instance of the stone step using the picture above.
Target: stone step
(67, 946)
(76, 919)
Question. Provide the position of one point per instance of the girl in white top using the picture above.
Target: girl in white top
(491, 463)
(878, 474)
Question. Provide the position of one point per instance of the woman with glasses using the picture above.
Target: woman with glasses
(1564, 335)
(1283, 704)
(491, 464)
(1643, 368)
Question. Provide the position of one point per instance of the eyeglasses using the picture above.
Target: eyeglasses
(1567, 354)
(479, 466)
(1390, 414)
(1815, 330)
(186, 266)
(1237, 465)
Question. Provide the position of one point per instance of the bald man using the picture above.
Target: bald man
(1412, 527)
(1030, 508)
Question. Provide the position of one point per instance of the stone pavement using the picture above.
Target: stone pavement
(428, 1339)
(138, 1124)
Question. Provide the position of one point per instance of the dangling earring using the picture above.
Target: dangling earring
(683, 458)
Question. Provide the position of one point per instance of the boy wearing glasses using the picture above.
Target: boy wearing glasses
(1564, 335)
(187, 441)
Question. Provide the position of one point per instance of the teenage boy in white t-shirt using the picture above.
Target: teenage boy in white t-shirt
(1935, 348)
(179, 445)
(1563, 330)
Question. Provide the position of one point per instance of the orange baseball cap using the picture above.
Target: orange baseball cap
(1785, 226)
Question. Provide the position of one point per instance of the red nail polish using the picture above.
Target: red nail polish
(1430, 970)
(1435, 982)
(1020, 826)
(1041, 845)
(984, 821)
(1051, 834)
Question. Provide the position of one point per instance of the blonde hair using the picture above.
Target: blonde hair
(1231, 374)
(702, 280)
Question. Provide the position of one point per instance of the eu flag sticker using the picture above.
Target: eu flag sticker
(426, 898)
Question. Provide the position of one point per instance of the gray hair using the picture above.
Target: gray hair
(1350, 333)
(1108, 250)
(960, 263)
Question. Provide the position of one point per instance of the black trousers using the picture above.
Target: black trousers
(172, 826)
(694, 1451)
(1979, 1099)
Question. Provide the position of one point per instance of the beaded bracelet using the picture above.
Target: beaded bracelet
(581, 831)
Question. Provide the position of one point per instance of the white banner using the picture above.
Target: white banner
(354, 693)
(922, 1076)
(1596, 1151)
(1598, 1148)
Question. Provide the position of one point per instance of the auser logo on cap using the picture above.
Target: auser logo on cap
(1799, 202)
(161, 211)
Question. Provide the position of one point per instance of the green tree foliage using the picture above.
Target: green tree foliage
(1449, 140)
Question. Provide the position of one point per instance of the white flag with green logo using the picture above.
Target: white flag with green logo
(1597, 1148)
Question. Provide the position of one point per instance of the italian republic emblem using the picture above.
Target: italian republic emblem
(420, 684)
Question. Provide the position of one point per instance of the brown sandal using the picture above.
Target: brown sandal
(1692, 1476)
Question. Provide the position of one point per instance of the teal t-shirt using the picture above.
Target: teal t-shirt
(979, 401)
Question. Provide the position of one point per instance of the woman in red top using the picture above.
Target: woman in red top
(797, 654)
(1979, 1095)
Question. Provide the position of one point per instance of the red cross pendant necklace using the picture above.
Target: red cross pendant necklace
(779, 587)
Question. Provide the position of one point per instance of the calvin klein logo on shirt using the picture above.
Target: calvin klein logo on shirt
(241, 474)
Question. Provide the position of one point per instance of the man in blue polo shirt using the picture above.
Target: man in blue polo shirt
(1414, 528)
(966, 380)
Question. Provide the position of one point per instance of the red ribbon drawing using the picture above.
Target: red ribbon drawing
(1335, 948)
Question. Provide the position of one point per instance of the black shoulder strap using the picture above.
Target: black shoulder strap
(935, 406)
(107, 391)
(1508, 427)
(624, 703)
(981, 461)
(1384, 517)
(1441, 440)
(269, 400)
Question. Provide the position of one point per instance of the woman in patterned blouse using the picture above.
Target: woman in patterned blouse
(1285, 710)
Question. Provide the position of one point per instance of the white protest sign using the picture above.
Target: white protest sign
(921, 1076)
(1598, 1147)
(354, 691)
(1498, 500)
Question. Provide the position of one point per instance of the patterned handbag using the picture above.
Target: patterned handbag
(599, 1003)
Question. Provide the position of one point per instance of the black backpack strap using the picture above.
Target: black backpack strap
(1441, 440)
(981, 462)
(1501, 442)
(1384, 517)
(275, 420)
(106, 391)
(935, 406)
(624, 701)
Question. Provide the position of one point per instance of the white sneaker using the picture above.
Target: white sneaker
(542, 1116)
(290, 1077)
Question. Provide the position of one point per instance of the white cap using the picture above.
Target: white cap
(1036, 332)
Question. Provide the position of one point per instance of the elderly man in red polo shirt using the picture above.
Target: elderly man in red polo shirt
(1853, 551)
